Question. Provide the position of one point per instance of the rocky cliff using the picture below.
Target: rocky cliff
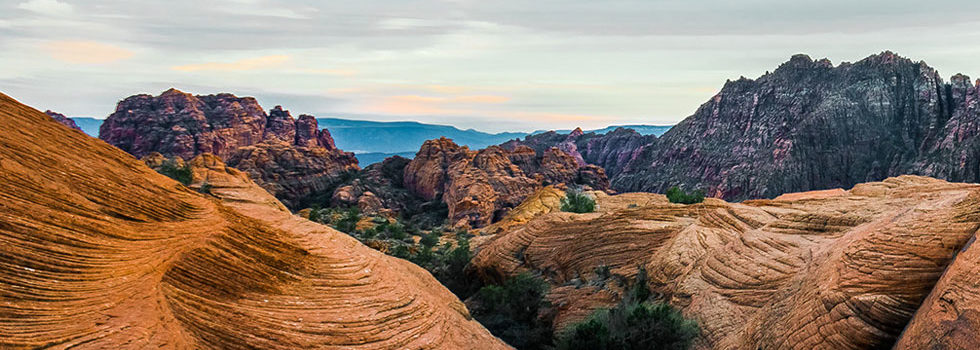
(100, 252)
(292, 158)
(812, 125)
(612, 151)
(825, 270)
(479, 187)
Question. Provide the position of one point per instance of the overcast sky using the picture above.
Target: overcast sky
(491, 65)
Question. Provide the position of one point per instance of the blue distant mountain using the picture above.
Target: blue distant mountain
(362, 136)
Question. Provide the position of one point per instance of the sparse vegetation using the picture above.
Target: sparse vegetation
(634, 323)
(205, 188)
(677, 195)
(512, 312)
(577, 202)
(177, 172)
(444, 254)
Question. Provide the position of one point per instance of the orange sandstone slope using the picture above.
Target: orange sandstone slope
(821, 270)
(99, 251)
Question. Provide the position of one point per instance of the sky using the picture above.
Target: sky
(501, 65)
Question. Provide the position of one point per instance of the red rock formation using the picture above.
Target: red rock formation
(481, 186)
(291, 158)
(97, 251)
(61, 118)
(820, 270)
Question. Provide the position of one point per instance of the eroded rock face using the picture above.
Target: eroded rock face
(293, 173)
(101, 252)
(810, 125)
(479, 187)
(290, 158)
(61, 118)
(822, 270)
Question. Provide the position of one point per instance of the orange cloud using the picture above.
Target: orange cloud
(85, 52)
(240, 65)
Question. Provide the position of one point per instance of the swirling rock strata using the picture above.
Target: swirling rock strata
(831, 270)
(99, 251)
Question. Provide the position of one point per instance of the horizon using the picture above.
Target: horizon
(503, 67)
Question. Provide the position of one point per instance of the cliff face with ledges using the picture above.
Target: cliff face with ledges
(828, 270)
(99, 251)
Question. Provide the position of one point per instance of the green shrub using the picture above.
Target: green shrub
(511, 312)
(180, 173)
(632, 324)
(677, 195)
(348, 221)
(205, 188)
(577, 202)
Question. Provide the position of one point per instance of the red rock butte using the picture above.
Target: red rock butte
(99, 251)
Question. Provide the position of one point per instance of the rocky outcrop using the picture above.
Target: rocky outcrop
(293, 173)
(840, 270)
(101, 252)
(612, 151)
(61, 118)
(479, 187)
(292, 159)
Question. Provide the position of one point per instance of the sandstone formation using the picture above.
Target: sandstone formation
(824, 270)
(101, 252)
(293, 159)
(479, 187)
(61, 118)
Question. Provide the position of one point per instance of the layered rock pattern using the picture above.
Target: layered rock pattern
(99, 251)
(480, 186)
(293, 159)
(827, 270)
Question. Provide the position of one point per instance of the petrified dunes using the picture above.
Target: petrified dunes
(99, 251)
(824, 270)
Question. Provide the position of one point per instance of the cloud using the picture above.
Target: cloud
(47, 7)
(86, 52)
(240, 65)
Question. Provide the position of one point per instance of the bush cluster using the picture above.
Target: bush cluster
(511, 311)
(180, 173)
(577, 202)
(634, 323)
(677, 195)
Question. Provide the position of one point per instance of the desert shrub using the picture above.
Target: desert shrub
(677, 195)
(180, 173)
(577, 202)
(511, 311)
(634, 323)
(205, 188)
(348, 220)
